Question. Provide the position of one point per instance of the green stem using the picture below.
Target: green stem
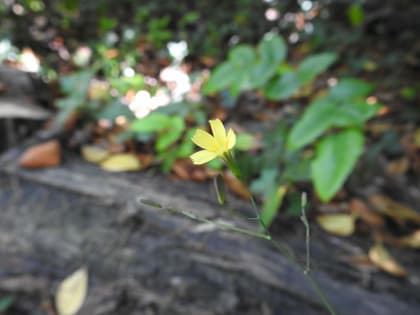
(280, 247)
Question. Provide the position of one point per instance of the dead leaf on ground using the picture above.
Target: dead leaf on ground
(123, 162)
(94, 154)
(383, 260)
(412, 240)
(395, 210)
(339, 224)
(360, 209)
(236, 186)
(47, 154)
(398, 167)
(186, 170)
(71, 293)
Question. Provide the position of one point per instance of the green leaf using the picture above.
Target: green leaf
(297, 171)
(6, 302)
(171, 135)
(348, 89)
(123, 84)
(151, 123)
(283, 87)
(315, 121)
(76, 84)
(261, 73)
(244, 141)
(223, 75)
(271, 205)
(336, 156)
(113, 110)
(315, 65)
(354, 113)
(272, 49)
(356, 14)
(242, 56)
(266, 182)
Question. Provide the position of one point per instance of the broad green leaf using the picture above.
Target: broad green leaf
(76, 84)
(123, 84)
(6, 302)
(356, 14)
(272, 49)
(315, 65)
(348, 89)
(336, 156)
(71, 293)
(266, 182)
(354, 113)
(174, 132)
(223, 75)
(113, 110)
(261, 73)
(315, 121)
(271, 205)
(244, 141)
(151, 123)
(283, 87)
(242, 56)
(298, 170)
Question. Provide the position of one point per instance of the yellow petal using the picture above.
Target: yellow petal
(202, 157)
(71, 293)
(218, 131)
(204, 140)
(231, 139)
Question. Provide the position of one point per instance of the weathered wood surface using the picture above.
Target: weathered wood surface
(145, 260)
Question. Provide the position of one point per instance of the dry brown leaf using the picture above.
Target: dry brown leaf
(395, 210)
(46, 154)
(71, 293)
(360, 209)
(398, 167)
(339, 224)
(121, 163)
(416, 138)
(383, 260)
(145, 160)
(412, 240)
(236, 186)
(94, 154)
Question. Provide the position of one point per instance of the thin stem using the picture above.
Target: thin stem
(223, 226)
(308, 233)
(283, 249)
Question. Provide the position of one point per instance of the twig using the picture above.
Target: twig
(308, 233)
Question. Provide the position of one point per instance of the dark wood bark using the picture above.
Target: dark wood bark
(146, 260)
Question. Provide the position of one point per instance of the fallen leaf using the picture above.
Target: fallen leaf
(383, 260)
(412, 240)
(398, 167)
(338, 224)
(94, 154)
(71, 292)
(360, 209)
(395, 210)
(46, 154)
(121, 163)
(236, 186)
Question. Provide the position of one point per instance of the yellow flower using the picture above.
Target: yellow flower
(214, 145)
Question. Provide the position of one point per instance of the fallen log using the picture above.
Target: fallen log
(147, 260)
